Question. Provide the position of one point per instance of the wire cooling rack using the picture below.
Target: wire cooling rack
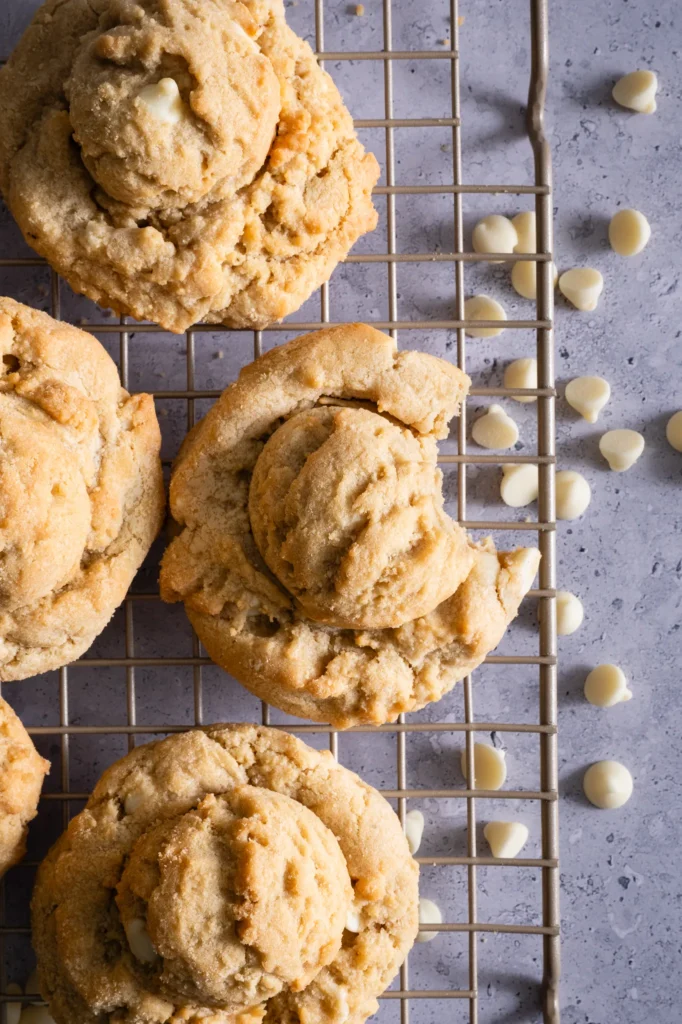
(83, 722)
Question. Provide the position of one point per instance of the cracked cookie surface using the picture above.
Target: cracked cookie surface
(22, 771)
(315, 559)
(81, 490)
(180, 160)
(212, 875)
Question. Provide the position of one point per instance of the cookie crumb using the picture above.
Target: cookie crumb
(444, 42)
(359, 10)
(219, 354)
(460, 20)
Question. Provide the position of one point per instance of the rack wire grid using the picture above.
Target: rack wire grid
(86, 715)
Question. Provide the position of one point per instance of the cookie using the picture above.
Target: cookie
(81, 490)
(213, 875)
(22, 771)
(181, 161)
(314, 558)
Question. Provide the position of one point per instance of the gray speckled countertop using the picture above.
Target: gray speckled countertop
(621, 871)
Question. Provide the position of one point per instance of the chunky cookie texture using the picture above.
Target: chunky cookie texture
(81, 490)
(314, 558)
(231, 874)
(181, 160)
(22, 771)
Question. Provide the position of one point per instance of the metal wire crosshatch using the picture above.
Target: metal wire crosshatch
(545, 660)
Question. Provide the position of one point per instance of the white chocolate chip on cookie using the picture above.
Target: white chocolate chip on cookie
(494, 234)
(429, 913)
(607, 785)
(573, 494)
(519, 485)
(522, 373)
(606, 686)
(629, 232)
(673, 431)
(483, 307)
(569, 613)
(582, 286)
(495, 429)
(621, 448)
(140, 944)
(506, 839)
(490, 767)
(637, 91)
(163, 101)
(588, 396)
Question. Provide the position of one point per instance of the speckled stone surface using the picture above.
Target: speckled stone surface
(621, 870)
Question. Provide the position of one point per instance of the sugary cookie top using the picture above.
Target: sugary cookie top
(315, 558)
(81, 494)
(212, 874)
(181, 160)
(22, 771)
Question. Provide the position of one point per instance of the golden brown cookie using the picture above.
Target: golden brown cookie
(22, 771)
(315, 559)
(180, 160)
(211, 877)
(81, 490)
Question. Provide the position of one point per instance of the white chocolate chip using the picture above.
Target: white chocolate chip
(629, 232)
(133, 801)
(607, 784)
(35, 1015)
(524, 278)
(621, 448)
(525, 231)
(673, 431)
(342, 1008)
(13, 1010)
(606, 686)
(353, 923)
(637, 91)
(519, 485)
(573, 494)
(582, 286)
(494, 234)
(495, 429)
(588, 396)
(490, 766)
(505, 838)
(482, 307)
(522, 373)
(163, 101)
(140, 944)
(569, 613)
(414, 830)
(429, 913)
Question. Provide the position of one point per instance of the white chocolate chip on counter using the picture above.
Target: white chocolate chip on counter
(607, 686)
(573, 494)
(621, 448)
(629, 232)
(522, 373)
(490, 766)
(505, 838)
(519, 485)
(524, 223)
(494, 234)
(482, 307)
(429, 913)
(582, 286)
(637, 91)
(569, 613)
(496, 429)
(140, 944)
(524, 278)
(588, 396)
(163, 101)
(414, 830)
(607, 784)
(673, 431)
